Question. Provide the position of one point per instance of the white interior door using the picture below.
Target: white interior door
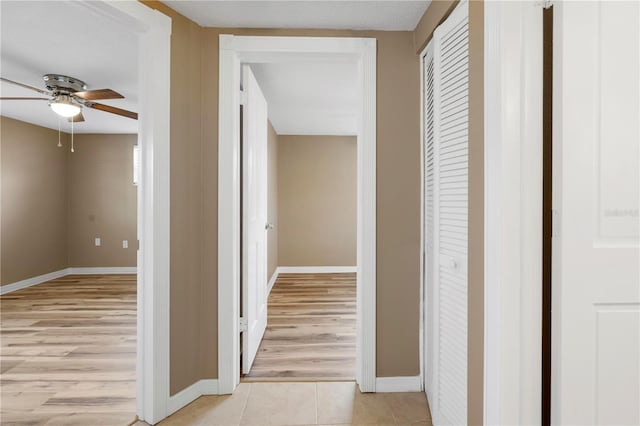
(596, 282)
(254, 217)
(450, 217)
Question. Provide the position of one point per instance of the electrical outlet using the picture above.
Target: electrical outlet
(125, 244)
(98, 242)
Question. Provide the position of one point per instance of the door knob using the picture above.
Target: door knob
(453, 264)
(268, 226)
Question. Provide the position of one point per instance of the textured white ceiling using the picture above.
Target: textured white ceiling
(310, 98)
(387, 15)
(67, 37)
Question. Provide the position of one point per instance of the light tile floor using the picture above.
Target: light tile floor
(322, 403)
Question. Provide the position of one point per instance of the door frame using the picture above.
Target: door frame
(235, 50)
(153, 29)
(513, 81)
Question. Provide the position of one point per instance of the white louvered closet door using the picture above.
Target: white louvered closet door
(430, 315)
(451, 142)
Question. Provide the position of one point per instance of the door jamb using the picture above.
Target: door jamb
(153, 29)
(423, 241)
(513, 217)
(235, 50)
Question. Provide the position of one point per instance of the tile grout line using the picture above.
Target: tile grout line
(316, 402)
(246, 401)
(393, 415)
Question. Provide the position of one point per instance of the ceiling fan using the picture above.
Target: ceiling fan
(67, 95)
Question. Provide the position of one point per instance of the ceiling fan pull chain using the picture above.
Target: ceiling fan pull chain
(72, 150)
(59, 142)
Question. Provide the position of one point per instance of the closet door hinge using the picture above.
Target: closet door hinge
(244, 325)
(243, 97)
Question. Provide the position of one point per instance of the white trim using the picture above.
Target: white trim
(233, 51)
(102, 271)
(29, 282)
(492, 298)
(154, 49)
(513, 214)
(191, 393)
(228, 219)
(399, 384)
(19, 285)
(367, 233)
(272, 281)
(423, 284)
(317, 269)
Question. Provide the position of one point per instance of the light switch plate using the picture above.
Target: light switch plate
(98, 242)
(125, 243)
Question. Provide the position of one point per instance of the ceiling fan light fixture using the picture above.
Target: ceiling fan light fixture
(63, 106)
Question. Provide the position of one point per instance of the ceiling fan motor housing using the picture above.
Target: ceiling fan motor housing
(63, 84)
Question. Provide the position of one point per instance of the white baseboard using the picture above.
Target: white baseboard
(398, 384)
(315, 269)
(103, 271)
(209, 386)
(308, 270)
(191, 393)
(272, 281)
(19, 285)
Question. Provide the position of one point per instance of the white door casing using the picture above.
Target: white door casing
(512, 212)
(235, 50)
(254, 217)
(153, 29)
(596, 148)
(450, 217)
(428, 168)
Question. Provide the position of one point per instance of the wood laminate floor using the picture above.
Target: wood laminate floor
(68, 352)
(311, 329)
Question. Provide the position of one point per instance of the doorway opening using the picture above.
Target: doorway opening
(236, 52)
(149, 50)
(299, 221)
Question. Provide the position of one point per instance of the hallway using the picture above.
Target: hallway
(323, 403)
(311, 329)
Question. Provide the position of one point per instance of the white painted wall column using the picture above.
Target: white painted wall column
(513, 215)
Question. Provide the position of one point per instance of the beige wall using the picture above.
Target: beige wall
(475, 332)
(34, 201)
(194, 127)
(101, 201)
(272, 201)
(317, 199)
(54, 202)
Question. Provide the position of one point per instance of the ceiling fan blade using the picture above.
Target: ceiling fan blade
(91, 95)
(26, 86)
(76, 118)
(113, 110)
(24, 99)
